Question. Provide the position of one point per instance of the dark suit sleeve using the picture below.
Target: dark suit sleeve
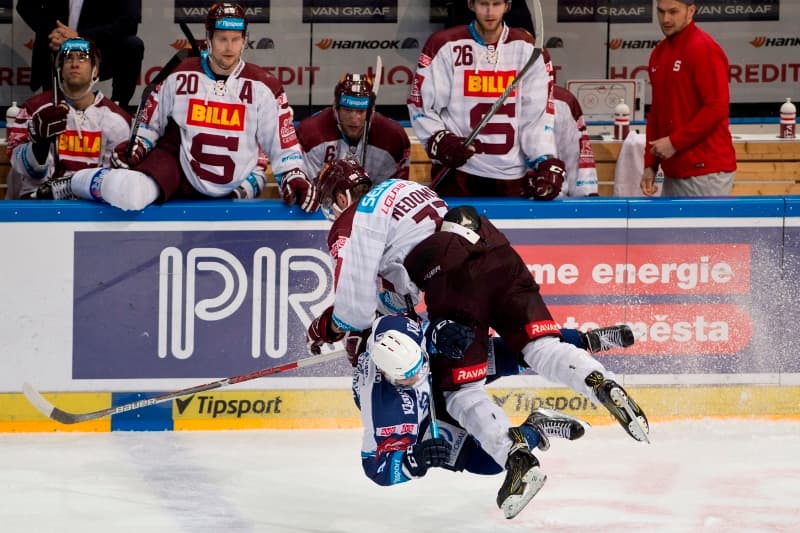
(106, 22)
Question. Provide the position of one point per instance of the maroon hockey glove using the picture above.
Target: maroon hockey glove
(423, 455)
(544, 183)
(448, 148)
(320, 332)
(48, 122)
(297, 189)
(120, 157)
(355, 342)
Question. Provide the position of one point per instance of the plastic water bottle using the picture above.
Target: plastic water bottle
(11, 114)
(788, 120)
(622, 121)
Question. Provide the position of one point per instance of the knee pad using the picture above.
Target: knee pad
(129, 190)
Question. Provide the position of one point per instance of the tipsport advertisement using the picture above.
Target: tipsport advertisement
(180, 304)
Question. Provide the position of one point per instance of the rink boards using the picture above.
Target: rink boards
(101, 308)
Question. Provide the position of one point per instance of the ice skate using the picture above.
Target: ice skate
(523, 479)
(55, 189)
(552, 423)
(620, 405)
(602, 339)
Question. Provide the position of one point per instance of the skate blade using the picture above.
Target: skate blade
(534, 481)
(637, 427)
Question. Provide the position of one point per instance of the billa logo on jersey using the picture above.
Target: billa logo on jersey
(216, 115)
(488, 82)
(88, 144)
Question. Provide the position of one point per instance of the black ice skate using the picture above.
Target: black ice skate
(602, 339)
(523, 477)
(620, 405)
(551, 423)
(55, 189)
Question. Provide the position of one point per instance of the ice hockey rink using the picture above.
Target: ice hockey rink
(696, 476)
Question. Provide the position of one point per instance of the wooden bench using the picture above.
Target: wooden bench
(765, 167)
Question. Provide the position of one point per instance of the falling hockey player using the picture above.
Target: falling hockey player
(369, 246)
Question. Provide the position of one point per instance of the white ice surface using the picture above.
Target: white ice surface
(696, 476)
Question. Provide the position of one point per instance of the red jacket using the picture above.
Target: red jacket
(689, 77)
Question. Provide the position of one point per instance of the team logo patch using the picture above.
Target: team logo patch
(415, 95)
(217, 115)
(424, 60)
(469, 374)
(488, 82)
(393, 445)
(338, 247)
(87, 144)
(287, 132)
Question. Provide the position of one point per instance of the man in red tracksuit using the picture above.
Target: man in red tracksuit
(688, 133)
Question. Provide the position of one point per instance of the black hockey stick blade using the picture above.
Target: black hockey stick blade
(49, 410)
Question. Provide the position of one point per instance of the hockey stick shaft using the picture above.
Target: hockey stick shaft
(376, 85)
(59, 415)
(538, 25)
(412, 313)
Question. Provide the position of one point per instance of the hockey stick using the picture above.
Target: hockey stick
(376, 85)
(538, 25)
(412, 313)
(54, 145)
(174, 61)
(59, 415)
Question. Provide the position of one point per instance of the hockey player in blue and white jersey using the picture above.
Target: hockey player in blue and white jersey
(392, 391)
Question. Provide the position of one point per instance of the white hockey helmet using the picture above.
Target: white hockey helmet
(399, 358)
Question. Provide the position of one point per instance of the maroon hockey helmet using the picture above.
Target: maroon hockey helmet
(354, 91)
(341, 176)
(226, 16)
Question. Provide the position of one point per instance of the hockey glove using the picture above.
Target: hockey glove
(297, 189)
(450, 338)
(120, 157)
(48, 122)
(320, 332)
(355, 342)
(423, 455)
(544, 182)
(448, 148)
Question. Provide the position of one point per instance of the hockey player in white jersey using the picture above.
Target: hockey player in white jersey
(202, 130)
(374, 228)
(341, 131)
(573, 146)
(49, 140)
(460, 74)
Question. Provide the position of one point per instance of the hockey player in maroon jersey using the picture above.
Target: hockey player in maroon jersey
(203, 131)
(461, 73)
(471, 274)
(340, 132)
(85, 126)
